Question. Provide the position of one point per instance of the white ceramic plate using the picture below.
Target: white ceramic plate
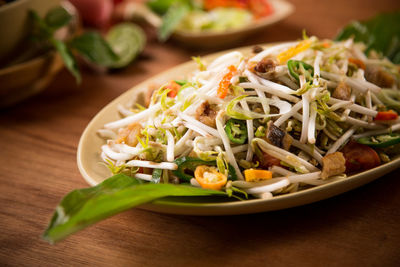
(94, 172)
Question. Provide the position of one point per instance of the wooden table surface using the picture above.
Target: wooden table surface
(38, 142)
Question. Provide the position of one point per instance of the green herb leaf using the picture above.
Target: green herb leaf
(93, 47)
(171, 19)
(160, 6)
(67, 57)
(40, 30)
(83, 207)
(381, 33)
(57, 18)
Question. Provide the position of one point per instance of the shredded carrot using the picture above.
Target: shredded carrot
(357, 62)
(223, 87)
(291, 52)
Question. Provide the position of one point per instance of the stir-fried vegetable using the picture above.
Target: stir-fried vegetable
(292, 51)
(360, 157)
(297, 67)
(380, 141)
(291, 116)
(386, 115)
(254, 175)
(291, 109)
(236, 131)
(209, 177)
(223, 88)
(187, 165)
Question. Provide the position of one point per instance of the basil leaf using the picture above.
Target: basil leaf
(94, 48)
(67, 57)
(160, 6)
(381, 33)
(39, 31)
(171, 19)
(57, 18)
(83, 207)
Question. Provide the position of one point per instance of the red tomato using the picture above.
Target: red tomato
(386, 115)
(359, 157)
(260, 8)
(268, 161)
(174, 87)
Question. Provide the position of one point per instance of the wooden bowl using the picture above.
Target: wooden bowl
(23, 80)
(15, 24)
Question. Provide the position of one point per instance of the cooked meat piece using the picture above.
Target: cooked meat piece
(266, 65)
(257, 49)
(206, 114)
(334, 164)
(342, 91)
(377, 75)
(268, 161)
(287, 142)
(359, 157)
(129, 134)
(277, 137)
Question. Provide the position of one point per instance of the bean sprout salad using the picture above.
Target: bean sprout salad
(277, 120)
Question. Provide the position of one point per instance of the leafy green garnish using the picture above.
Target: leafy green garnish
(90, 45)
(83, 207)
(43, 31)
(176, 12)
(381, 33)
(67, 57)
(93, 47)
(160, 6)
(57, 18)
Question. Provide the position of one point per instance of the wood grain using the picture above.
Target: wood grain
(38, 141)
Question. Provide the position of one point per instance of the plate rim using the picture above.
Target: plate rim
(284, 201)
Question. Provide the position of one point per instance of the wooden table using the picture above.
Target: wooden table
(38, 142)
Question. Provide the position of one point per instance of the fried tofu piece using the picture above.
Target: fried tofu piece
(334, 164)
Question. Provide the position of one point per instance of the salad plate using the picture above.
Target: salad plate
(210, 39)
(94, 171)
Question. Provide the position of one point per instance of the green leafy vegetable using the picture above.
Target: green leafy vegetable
(83, 207)
(160, 6)
(171, 19)
(381, 33)
(67, 57)
(94, 48)
(91, 45)
(57, 18)
(156, 176)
